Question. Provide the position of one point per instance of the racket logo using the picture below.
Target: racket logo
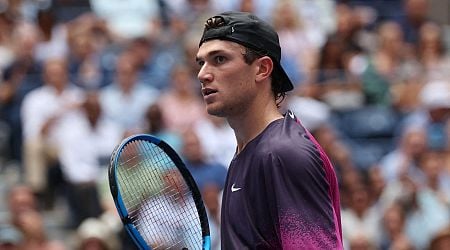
(234, 189)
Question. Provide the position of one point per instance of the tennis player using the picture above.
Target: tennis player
(281, 191)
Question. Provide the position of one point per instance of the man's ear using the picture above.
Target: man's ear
(265, 68)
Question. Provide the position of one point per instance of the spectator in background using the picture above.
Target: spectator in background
(42, 110)
(31, 223)
(204, 173)
(182, 106)
(87, 40)
(19, 78)
(360, 220)
(126, 99)
(154, 60)
(437, 177)
(376, 183)
(6, 41)
(24, 216)
(94, 234)
(338, 87)
(155, 125)
(405, 156)
(320, 16)
(426, 210)
(415, 15)
(193, 12)
(127, 19)
(434, 113)
(20, 198)
(384, 64)
(299, 47)
(432, 52)
(217, 139)
(393, 229)
(85, 144)
(53, 35)
(210, 179)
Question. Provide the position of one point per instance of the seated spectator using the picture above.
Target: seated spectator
(25, 216)
(424, 209)
(128, 19)
(361, 218)
(21, 75)
(299, 42)
(31, 224)
(217, 139)
(361, 242)
(432, 53)
(405, 156)
(95, 234)
(155, 125)
(53, 35)
(210, 179)
(433, 114)
(436, 176)
(20, 198)
(89, 138)
(415, 15)
(126, 99)
(339, 87)
(42, 110)
(85, 53)
(393, 229)
(182, 97)
(385, 64)
(204, 173)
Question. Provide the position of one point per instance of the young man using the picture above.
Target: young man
(281, 191)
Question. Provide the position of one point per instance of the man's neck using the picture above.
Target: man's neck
(251, 123)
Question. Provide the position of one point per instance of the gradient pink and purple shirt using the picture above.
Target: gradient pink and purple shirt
(281, 192)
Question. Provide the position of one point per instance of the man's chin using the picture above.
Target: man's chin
(215, 112)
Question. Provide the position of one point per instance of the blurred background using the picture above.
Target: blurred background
(76, 76)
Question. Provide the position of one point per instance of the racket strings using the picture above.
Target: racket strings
(158, 200)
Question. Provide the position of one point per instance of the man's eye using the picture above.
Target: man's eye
(200, 63)
(219, 59)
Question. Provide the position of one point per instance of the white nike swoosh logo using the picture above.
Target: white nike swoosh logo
(291, 115)
(234, 189)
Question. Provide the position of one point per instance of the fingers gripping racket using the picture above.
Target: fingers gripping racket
(156, 197)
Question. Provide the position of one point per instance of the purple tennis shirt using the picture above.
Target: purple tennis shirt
(281, 192)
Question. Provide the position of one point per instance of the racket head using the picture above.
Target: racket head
(144, 168)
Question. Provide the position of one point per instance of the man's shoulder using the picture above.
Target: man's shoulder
(286, 137)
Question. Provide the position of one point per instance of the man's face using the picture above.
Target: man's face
(228, 83)
(55, 73)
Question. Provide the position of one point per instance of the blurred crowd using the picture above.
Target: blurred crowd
(77, 76)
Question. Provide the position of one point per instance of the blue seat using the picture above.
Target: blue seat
(368, 122)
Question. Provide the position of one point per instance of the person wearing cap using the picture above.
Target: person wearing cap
(281, 190)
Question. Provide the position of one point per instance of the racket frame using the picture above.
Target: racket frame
(120, 205)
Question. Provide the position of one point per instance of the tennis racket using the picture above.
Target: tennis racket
(156, 197)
